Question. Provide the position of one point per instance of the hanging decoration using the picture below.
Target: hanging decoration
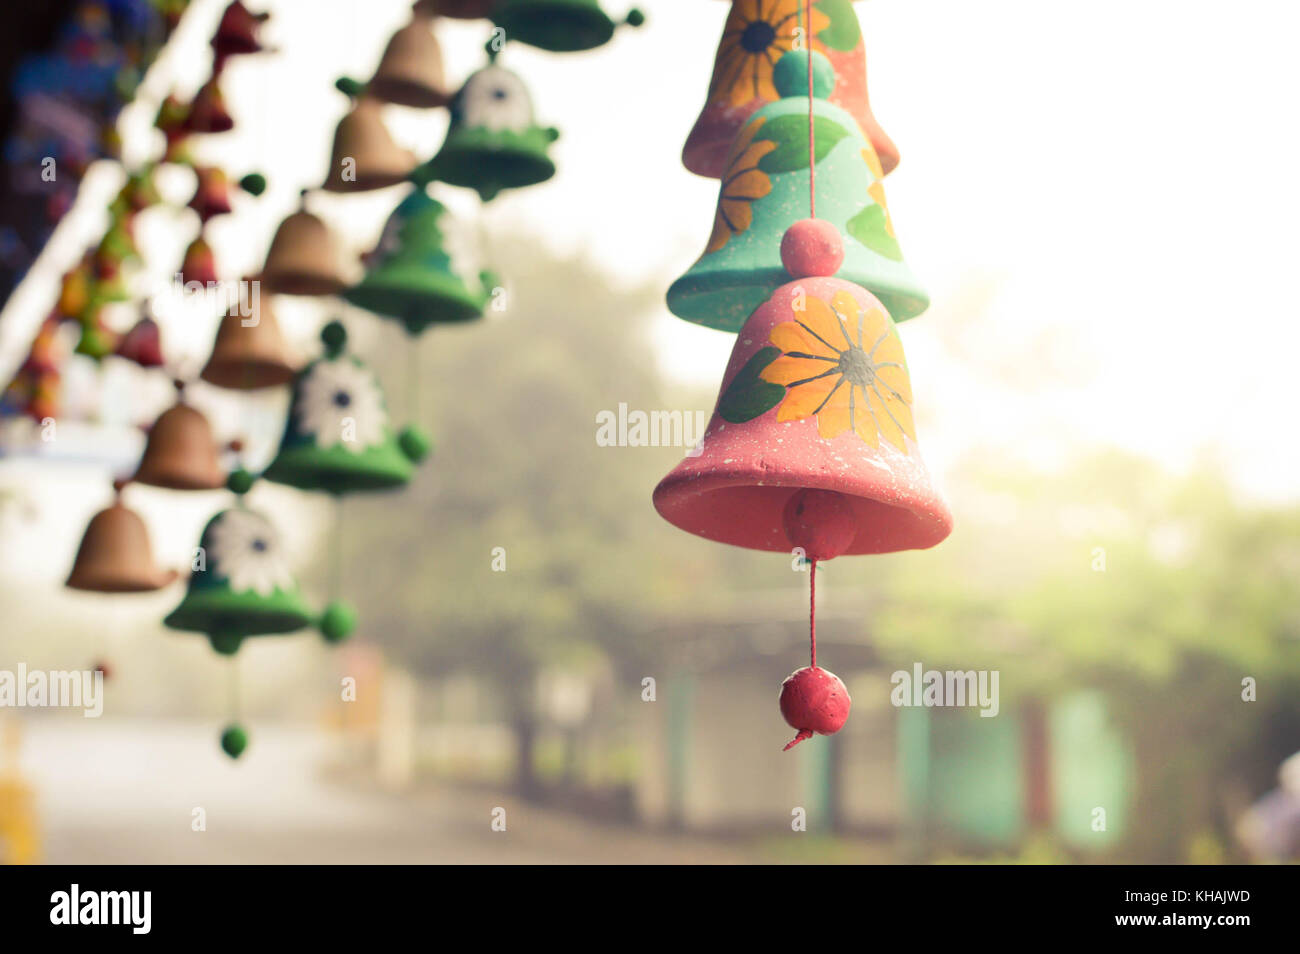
(249, 352)
(769, 177)
(756, 34)
(304, 258)
(493, 142)
(115, 555)
(410, 71)
(364, 156)
(561, 26)
(812, 447)
(181, 453)
(410, 276)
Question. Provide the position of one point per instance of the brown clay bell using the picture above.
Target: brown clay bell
(115, 555)
(365, 156)
(457, 9)
(304, 258)
(181, 453)
(249, 352)
(410, 72)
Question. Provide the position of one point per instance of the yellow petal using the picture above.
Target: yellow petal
(747, 184)
(833, 419)
(894, 380)
(804, 400)
(864, 423)
(873, 163)
(787, 370)
(889, 428)
(792, 336)
(818, 319)
(737, 214)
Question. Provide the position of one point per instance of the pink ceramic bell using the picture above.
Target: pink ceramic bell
(199, 264)
(756, 34)
(142, 345)
(237, 32)
(208, 112)
(816, 397)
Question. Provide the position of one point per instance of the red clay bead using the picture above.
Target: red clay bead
(820, 522)
(812, 247)
(814, 700)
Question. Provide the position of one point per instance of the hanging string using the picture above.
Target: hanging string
(812, 612)
(812, 136)
(336, 550)
(233, 679)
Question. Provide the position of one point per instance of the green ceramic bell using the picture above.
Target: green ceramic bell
(242, 586)
(561, 26)
(337, 437)
(410, 276)
(766, 190)
(493, 142)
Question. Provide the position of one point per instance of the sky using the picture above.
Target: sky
(1100, 198)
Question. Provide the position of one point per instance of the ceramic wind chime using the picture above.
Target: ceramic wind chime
(812, 446)
(560, 26)
(493, 142)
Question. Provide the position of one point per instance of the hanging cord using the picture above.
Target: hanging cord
(233, 680)
(812, 136)
(812, 612)
(336, 550)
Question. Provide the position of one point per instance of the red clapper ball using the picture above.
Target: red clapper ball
(814, 700)
(819, 522)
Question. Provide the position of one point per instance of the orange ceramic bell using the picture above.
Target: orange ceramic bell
(812, 443)
(115, 555)
(410, 72)
(208, 111)
(181, 453)
(756, 34)
(365, 156)
(304, 258)
(249, 352)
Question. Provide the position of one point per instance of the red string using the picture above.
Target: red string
(812, 139)
(812, 610)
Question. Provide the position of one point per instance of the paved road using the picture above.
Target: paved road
(126, 791)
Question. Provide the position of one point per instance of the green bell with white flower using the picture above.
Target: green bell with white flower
(411, 277)
(561, 26)
(338, 438)
(241, 586)
(493, 142)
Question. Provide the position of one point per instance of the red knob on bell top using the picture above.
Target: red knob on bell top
(812, 248)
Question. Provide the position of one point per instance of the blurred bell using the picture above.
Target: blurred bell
(304, 258)
(212, 193)
(754, 38)
(249, 352)
(561, 26)
(237, 32)
(115, 555)
(768, 186)
(199, 264)
(207, 112)
(365, 156)
(181, 453)
(812, 443)
(410, 72)
(142, 344)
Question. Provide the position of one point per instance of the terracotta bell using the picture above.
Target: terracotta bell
(207, 113)
(115, 555)
(365, 156)
(561, 26)
(812, 443)
(410, 73)
(249, 352)
(304, 258)
(212, 190)
(493, 142)
(756, 34)
(767, 188)
(181, 453)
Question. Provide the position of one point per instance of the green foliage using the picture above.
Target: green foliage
(748, 395)
(790, 133)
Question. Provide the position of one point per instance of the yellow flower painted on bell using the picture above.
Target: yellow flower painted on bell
(743, 182)
(877, 188)
(757, 32)
(844, 365)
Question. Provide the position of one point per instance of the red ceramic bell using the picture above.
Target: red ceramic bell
(199, 264)
(142, 345)
(816, 397)
(181, 453)
(207, 113)
(115, 555)
(756, 34)
(212, 192)
(237, 32)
